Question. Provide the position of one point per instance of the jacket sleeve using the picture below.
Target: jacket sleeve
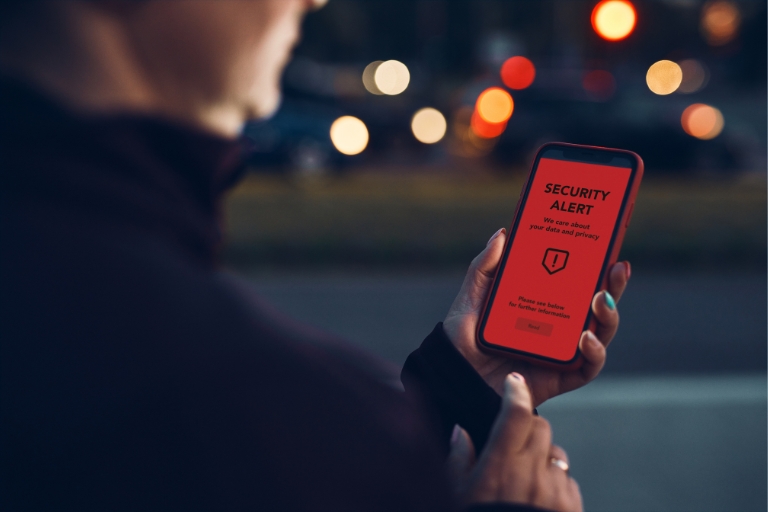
(453, 391)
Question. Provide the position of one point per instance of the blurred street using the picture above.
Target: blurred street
(672, 324)
(677, 421)
(439, 218)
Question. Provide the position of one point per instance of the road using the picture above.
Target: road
(669, 324)
(676, 422)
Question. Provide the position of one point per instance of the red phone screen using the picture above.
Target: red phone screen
(557, 254)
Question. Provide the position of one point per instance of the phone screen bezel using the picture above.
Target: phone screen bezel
(597, 154)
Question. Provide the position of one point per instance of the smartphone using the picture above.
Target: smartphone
(567, 231)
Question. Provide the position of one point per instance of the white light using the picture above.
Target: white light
(391, 77)
(368, 77)
(428, 125)
(349, 135)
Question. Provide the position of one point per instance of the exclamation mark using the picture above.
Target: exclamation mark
(554, 262)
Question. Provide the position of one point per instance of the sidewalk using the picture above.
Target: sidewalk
(666, 443)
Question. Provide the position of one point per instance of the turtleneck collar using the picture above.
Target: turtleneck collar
(138, 171)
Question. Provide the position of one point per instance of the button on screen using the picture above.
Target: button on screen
(533, 326)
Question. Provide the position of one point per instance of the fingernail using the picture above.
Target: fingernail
(629, 269)
(455, 434)
(518, 376)
(609, 300)
(592, 339)
(495, 235)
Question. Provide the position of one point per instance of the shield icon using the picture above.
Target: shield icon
(554, 260)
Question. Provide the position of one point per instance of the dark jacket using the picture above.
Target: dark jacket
(135, 374)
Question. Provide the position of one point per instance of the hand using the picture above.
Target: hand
(516, 465)
(460, 326)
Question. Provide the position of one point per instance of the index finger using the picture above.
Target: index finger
(513, 425)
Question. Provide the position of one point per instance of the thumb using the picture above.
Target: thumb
(513, 424)
(486, 262)
(461, 458)
(480, 274)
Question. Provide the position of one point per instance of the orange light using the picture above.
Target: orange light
(720, 22)
(614, 20)
(664, 77)
(495, 105)
(599, 83)
(484, 129)
(518, 72)
(702, 121)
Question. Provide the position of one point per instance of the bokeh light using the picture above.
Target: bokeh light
(316, 5)
(599, 83)
(614, 19)
(428, 125)
(495, 105)
(664, 77)
(466, 143)
(391, 77)
(695, 76)
(349, 135)
(484, 129)
(702, 121)
(720, 22)
(518, 72)
(368, 77)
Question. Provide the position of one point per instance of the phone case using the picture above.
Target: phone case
(625, 218)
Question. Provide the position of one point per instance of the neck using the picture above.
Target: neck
(86, 60)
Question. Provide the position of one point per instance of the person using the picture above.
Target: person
(137, 374)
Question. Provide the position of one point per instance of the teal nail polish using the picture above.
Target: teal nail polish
(609, 301)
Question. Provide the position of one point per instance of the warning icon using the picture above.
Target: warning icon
(554, 260)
